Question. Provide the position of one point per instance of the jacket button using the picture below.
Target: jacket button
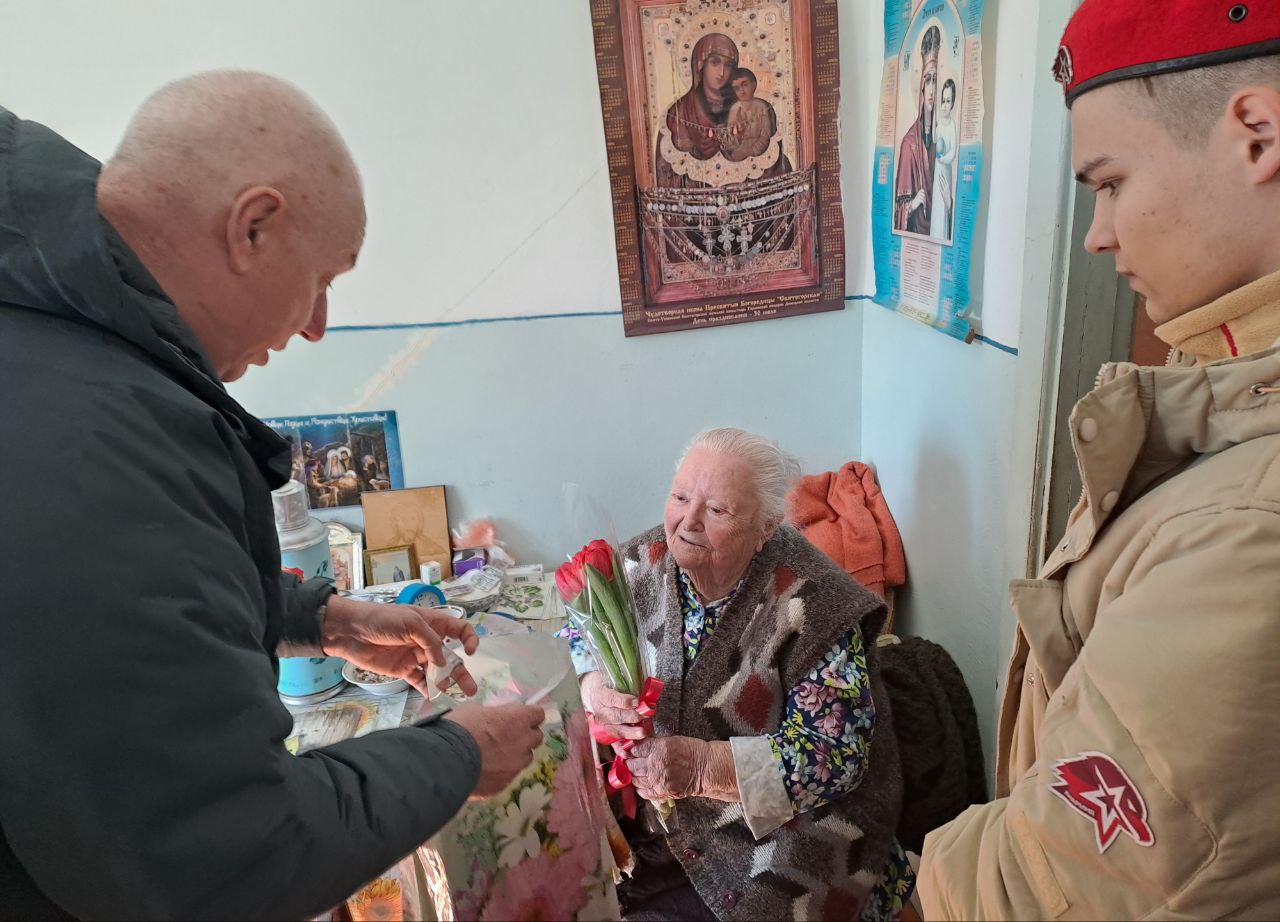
(728, 899)
(691, 854)
(1109, 501)
(1088, 429)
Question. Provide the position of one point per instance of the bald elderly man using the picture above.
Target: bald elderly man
(143, 772)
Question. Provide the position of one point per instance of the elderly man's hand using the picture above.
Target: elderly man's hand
(614, 712)
(506, 736)
(398, 640)
(669, 767)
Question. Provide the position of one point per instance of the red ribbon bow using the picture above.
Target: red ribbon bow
(619, 775)
(650, 692)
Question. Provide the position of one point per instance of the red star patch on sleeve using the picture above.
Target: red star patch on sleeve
(1098, 789)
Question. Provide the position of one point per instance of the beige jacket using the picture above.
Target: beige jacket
(1138, 769)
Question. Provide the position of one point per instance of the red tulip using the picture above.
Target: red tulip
(569, 580)
(599, 555)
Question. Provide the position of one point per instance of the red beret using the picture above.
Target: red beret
(1111, 40)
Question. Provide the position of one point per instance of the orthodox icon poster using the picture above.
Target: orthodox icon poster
(720, 121)
(929, 160)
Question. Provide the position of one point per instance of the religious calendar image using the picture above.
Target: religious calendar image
(929, 161)
(721, 127)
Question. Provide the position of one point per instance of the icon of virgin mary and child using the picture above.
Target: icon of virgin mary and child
(720, 114)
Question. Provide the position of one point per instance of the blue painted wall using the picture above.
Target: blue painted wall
(935, 424)
(504, 413)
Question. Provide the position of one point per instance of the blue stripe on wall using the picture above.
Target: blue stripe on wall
(995, 345)
(444, 324)
(441, 324)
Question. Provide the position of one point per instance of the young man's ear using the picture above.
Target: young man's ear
(255, 214)
(1253, 123)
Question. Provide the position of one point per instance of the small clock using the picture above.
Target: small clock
(421, 594)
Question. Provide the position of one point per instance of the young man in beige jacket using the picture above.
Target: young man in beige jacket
(1140, 732)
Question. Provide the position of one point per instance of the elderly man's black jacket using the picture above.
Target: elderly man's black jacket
(143, 772)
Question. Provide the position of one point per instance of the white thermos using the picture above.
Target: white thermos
(304, 550)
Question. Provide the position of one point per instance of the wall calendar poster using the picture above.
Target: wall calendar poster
(721, 127)
(928, 161)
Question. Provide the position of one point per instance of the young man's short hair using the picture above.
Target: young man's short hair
(744, 72)
(1189, 103)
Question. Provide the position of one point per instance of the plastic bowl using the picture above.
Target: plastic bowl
(390, 687)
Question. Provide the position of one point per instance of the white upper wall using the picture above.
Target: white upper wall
(476, 126)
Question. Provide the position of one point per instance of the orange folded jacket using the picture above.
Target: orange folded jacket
(845, 515)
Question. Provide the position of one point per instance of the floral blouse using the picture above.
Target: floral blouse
(821, 749)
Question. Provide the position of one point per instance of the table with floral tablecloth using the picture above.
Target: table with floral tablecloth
(541, 849)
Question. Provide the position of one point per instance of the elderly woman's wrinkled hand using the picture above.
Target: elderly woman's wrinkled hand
(614, 711)
(668, 767)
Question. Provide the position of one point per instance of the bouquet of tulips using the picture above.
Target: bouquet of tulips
(596, 595)
(595, 592)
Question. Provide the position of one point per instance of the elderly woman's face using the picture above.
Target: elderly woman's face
(712, 519)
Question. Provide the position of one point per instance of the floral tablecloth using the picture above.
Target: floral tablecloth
(539, 850)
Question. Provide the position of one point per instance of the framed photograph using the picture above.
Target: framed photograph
(346, 550)
(390, 565)
(417, 516)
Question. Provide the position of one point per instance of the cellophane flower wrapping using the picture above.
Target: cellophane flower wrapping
(600, 607)
(598, 602)
(538, 850)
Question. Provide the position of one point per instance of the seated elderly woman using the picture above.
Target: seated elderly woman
(772, 733)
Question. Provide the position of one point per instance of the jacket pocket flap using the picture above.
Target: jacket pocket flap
(1040, 605)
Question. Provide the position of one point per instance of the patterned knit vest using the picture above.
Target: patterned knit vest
(793, 606)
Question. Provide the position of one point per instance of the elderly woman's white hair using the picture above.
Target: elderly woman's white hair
(774, 471)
